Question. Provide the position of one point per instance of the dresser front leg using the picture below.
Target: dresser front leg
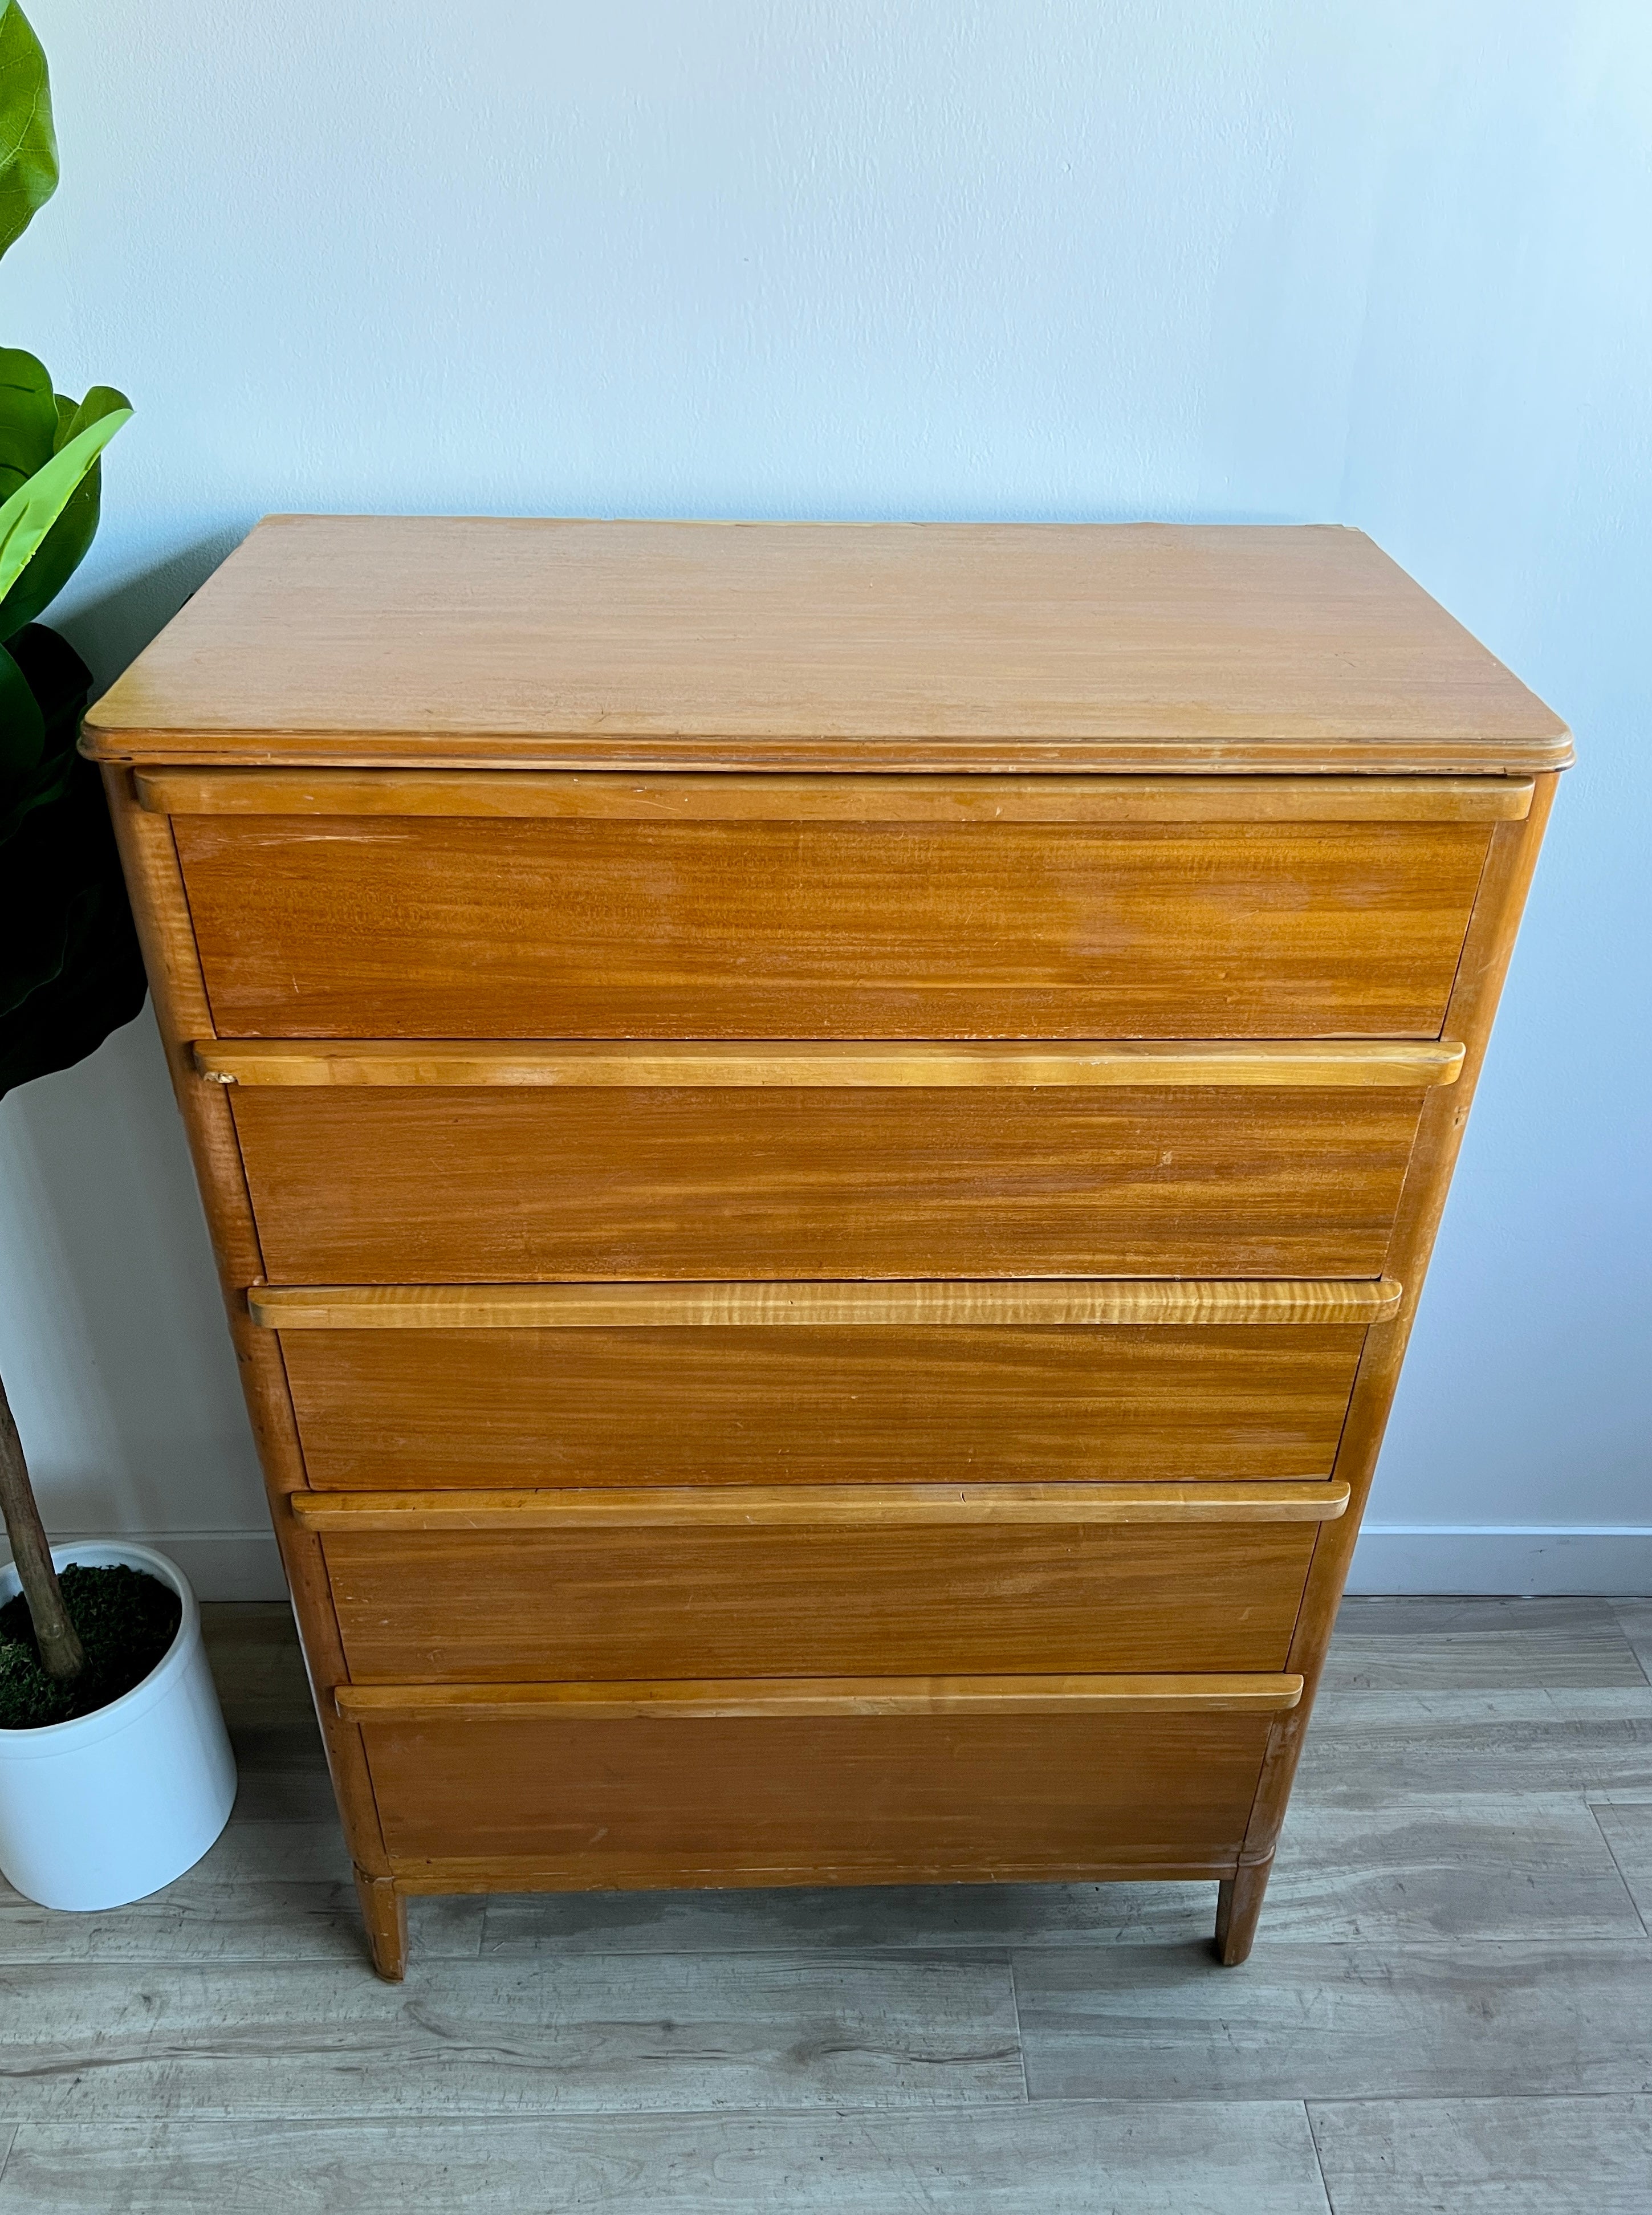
(385, 1911)
(1239, 1904)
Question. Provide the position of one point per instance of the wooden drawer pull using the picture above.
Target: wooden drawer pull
(872, 1063)
(780, 1696)
(803, 799)
(815, 1507)
(955, 1302)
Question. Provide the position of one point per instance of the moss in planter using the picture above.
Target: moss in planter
(126, 1620)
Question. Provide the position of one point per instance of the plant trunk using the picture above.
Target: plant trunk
(62, 1655)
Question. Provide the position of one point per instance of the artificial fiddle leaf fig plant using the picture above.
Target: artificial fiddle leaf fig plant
(69, 968)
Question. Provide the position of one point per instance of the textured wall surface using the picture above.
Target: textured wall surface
(1270, 260)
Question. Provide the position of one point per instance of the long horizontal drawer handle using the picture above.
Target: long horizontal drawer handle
(872, 1063)
(939, 1302)
(821, 1507)
(800, 798)
(818, 1695)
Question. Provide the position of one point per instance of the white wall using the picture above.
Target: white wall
(1272, 259)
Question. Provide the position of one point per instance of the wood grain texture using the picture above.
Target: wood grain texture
(1627, 1832)
(1239, 1910)
(975, 1917)
(1634, 1619)
(1486, 950)
(1581, 2156)
(858, 1405)
(1184, 977)
(1127, 1302)
(1476, 1867)
(802, 1062)
(776, 1700)
(980, 645)
(503, 794)
(1458, 1817)
(821, 1507)
(1429, 1642)
(275, 1887)
(882, 1600)
(161, 913)
(357, 926)
(1185, 2157)
(421, 1185)
(1473, 1868)
(1359, 2021)
(96, 2044)
(1597, 1740)
(543, 1800)
(385, 1913)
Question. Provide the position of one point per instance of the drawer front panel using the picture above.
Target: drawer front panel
(584, 1605)
(427, 1409)
(429, 1185)
(430, 927)
(851, 1799)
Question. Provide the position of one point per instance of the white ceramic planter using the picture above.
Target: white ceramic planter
(103, 1809)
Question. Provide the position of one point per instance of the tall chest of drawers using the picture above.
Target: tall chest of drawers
(822, 1142)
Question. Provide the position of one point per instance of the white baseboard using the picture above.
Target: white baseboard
(1484, 1559)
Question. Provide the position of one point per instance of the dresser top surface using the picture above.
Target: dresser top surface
(403, 640)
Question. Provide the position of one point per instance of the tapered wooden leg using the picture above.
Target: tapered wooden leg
(385, 1911)
(1239, 1904)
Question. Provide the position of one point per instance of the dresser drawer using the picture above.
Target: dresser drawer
(368, 925)
(427, 1184)
(730, 1404)
(879, 1596)
(550, 1795)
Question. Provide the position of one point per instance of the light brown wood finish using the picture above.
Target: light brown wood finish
(1320, 1064)
(420, 1184)
(1202, 893)
(547, 1798)
(372, 926)
(821, 1507)
(883, 1599)
(679, 1700)
(161, 916)
(384, 1911)
(986, 646)
(1238, 1907)
(1121, 1301)
(909, 799)
(1473, 1006)
(708, 1405)
(656, 1868)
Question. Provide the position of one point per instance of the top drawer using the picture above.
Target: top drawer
(489, 905)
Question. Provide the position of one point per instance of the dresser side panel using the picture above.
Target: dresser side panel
(1486, 950)
(160, 909)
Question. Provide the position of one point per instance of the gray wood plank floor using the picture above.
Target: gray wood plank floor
(1449, 2005)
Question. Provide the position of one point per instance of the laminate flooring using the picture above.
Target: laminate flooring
(1449, 2006)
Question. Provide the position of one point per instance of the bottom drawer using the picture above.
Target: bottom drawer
(545, 1799)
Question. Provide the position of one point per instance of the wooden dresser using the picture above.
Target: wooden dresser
(822, 1141)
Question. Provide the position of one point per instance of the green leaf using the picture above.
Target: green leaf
(22, 726)
(63, 548)
(28, 146)
(29, 514)
(29, 418)
(101, 399)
